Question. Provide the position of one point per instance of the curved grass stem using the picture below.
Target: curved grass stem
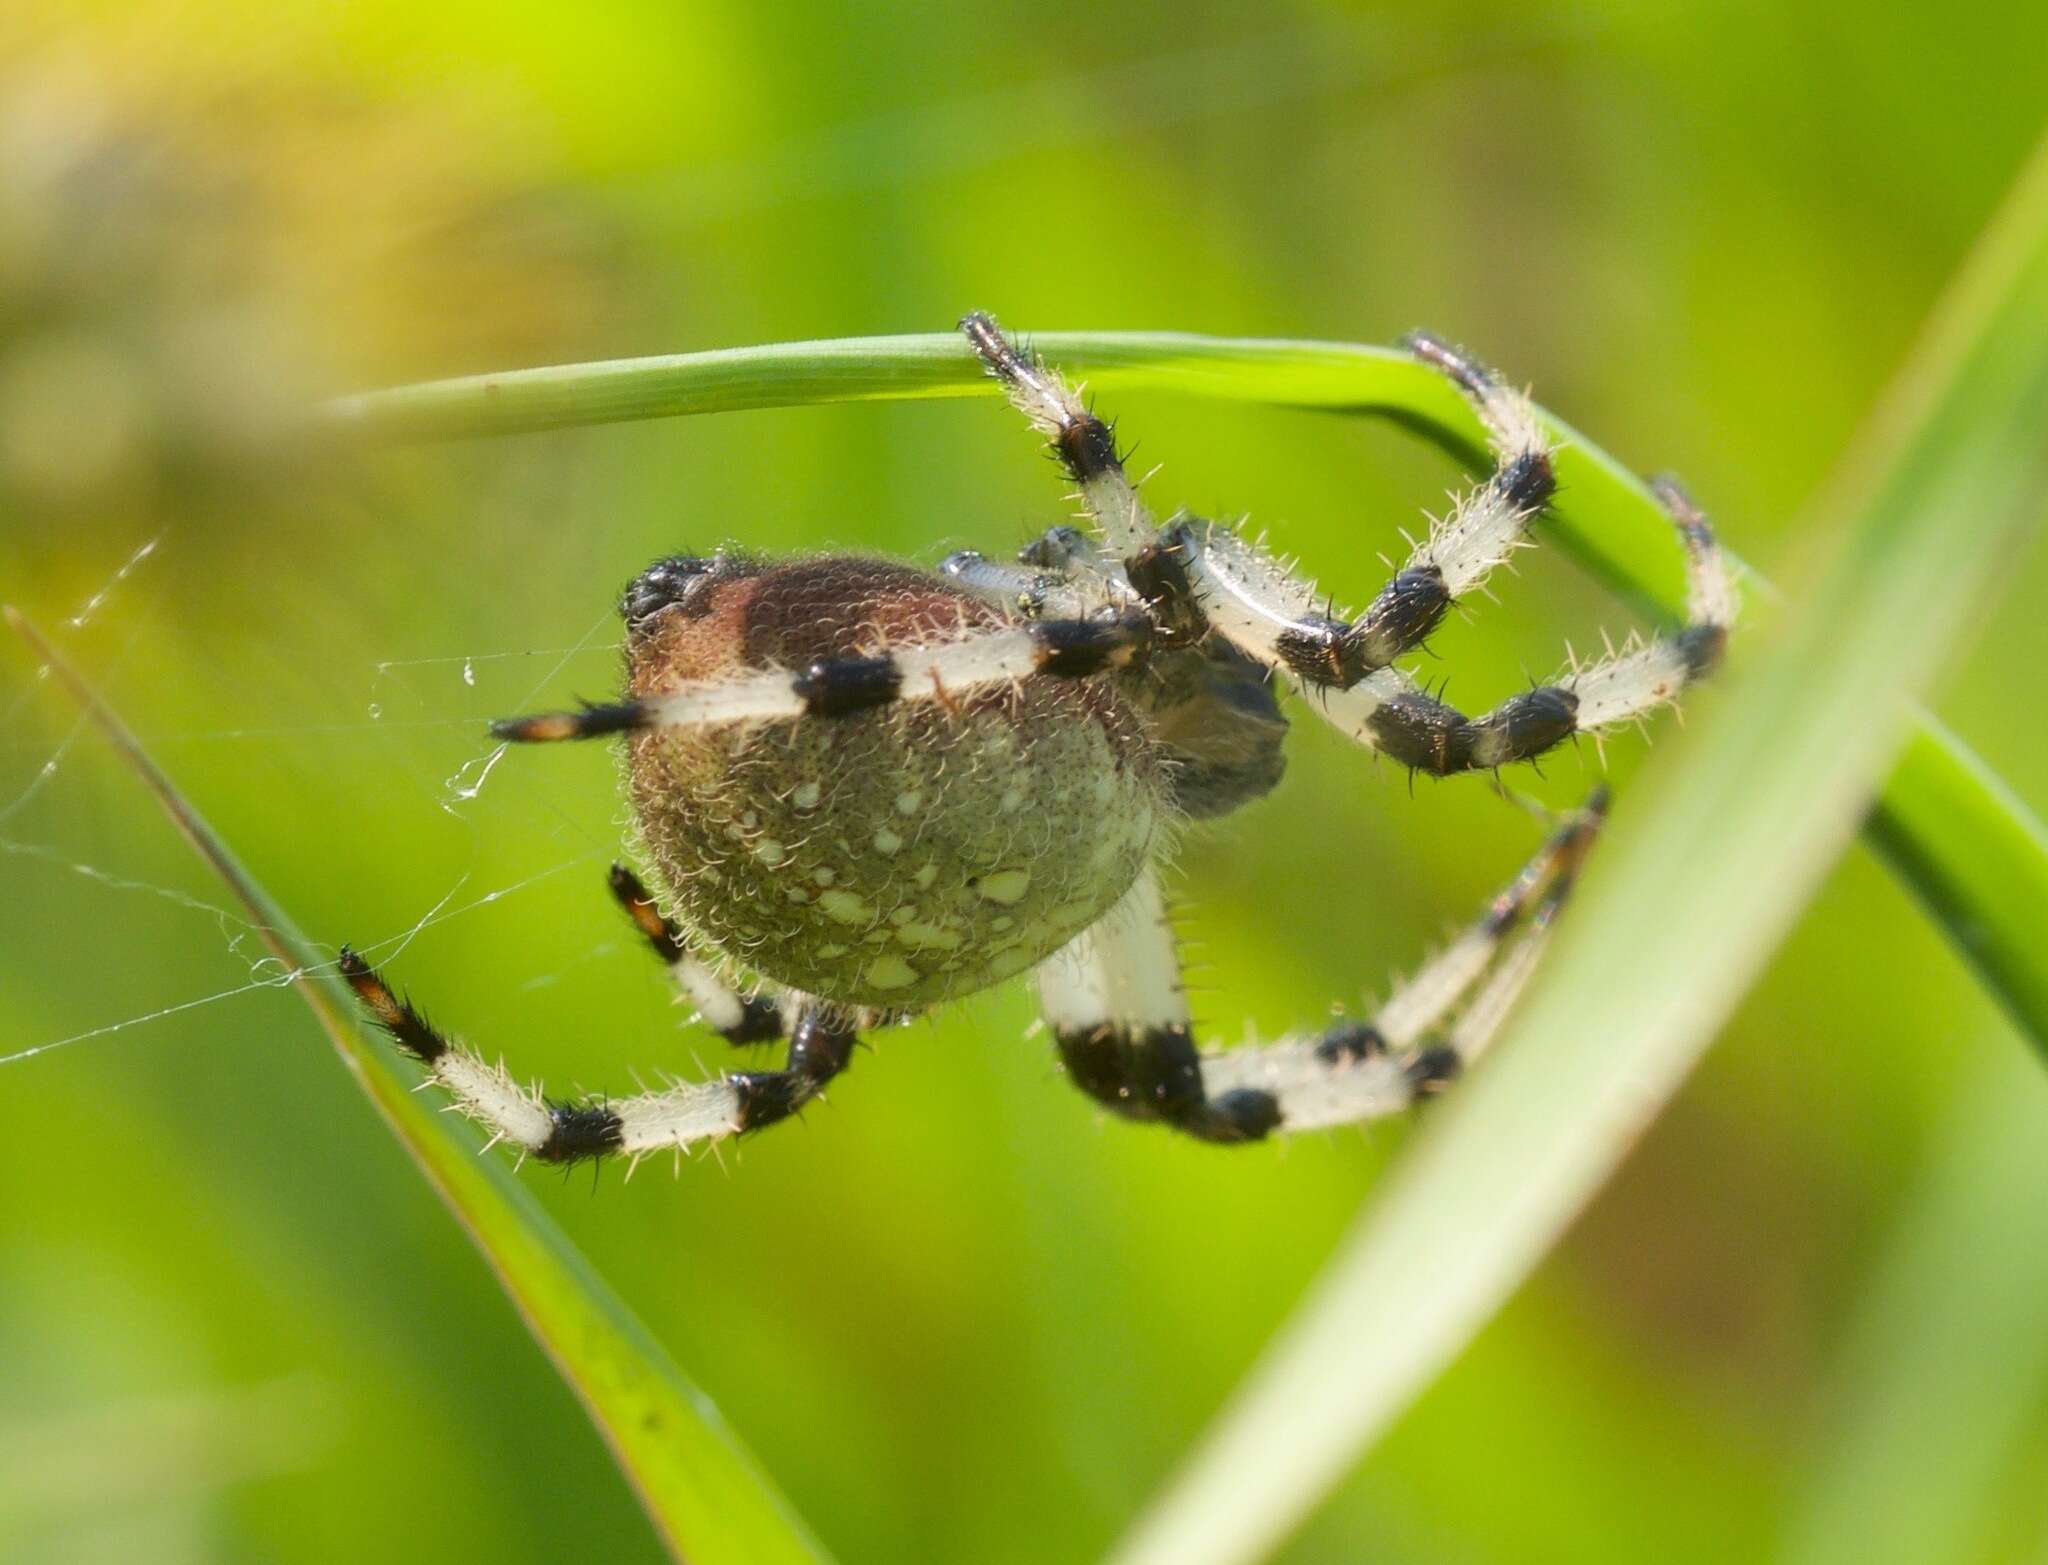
(1971, 853)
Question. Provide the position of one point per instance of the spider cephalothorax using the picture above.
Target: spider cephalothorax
(865, 788)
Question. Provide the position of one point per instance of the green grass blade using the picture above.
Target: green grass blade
(1723, 845)
(705, 1494)
(1971, 852)
(1945, 1358)
(1977, 860)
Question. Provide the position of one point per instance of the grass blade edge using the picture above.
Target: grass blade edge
(703, 1492)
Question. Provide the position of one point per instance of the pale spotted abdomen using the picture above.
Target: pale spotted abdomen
(895, 856)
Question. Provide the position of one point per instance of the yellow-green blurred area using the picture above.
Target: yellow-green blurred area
(958, 1314)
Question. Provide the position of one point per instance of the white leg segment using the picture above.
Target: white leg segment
(718, 1007)
(1081, 441)
(678, 1117)
(1022, 590)
(1482, 1019)
(1116, 1005)
(488, 1094)
(1489, 522)
(1249, 598)
(564, 1131)
(837, 687)
(1619, 689)
(1387, 710)
(1309, 1091)
(1122, 970)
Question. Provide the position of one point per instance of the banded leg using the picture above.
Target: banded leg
(1389, 712)
(1359, 1071)
(1062, 574)
(1137, 561)
(1260, 604)
(739, 1019)
(1026, 591)
(836, 687)
(1084, 445)
(1254, 600)
(1118, 1012)
(569, 1130)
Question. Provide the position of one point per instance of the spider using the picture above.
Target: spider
(866, 789)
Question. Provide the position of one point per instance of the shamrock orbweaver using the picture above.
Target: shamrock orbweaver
(865, 789)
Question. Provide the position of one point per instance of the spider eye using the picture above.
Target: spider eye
(670, 583)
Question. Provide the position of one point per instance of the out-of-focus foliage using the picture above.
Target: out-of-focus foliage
(193, 246)
(1944, 484)
(704, 1495)
(956, 1315)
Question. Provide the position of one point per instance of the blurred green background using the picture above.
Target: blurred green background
(958, 1314)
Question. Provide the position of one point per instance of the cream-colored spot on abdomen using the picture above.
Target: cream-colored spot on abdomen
(886, 841)
(770, 852)
(909, 803)
(921, 937)
(806, 797)
(845, 907)
(891, 972)
(1009, 959)
(1006, 886)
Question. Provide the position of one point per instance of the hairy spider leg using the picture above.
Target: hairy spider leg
(1021, 590)
(1387, 711)
(1061, 574)
(1201, 573)
(1256, 602)
(1265, 610)
(562, 1130)
(1119, 1014)
(1488, 1009)
(1259, 605)
(1084, 445)
(836, 687)
(739, 1019)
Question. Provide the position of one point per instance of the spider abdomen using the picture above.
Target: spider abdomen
(891, 857)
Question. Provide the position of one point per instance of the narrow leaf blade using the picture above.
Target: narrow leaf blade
(1724, 845)
(706, 1495)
